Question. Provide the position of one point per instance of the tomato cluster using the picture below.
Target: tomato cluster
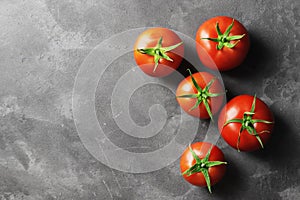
(245, 122)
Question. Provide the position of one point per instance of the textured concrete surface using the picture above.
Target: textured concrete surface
(44, 42)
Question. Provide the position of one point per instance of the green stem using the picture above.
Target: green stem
(202, 166)
(248, 124)
(202, 95)
(224, 39)
(158, 52)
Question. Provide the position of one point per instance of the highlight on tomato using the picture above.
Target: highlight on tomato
(200, 95)
(222, 43)
(246, 123)
(158, 51)
(203, 164)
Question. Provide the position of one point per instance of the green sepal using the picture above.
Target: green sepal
(194, 81)
(220, 46)
(230, 45)
(190, 171)
(148, 51)
(198, 160)
(188, 96)
(207, 179)
(156, 60)
(226, 33)
(202, 166)
(249, 113)
(205, 159)
(158, 52)
(196, 105)
(202, 94)
(262, 121)
(205, 102)
(165, 49)
(216, 94)
(258, 138)
(211, 39)
(224, 39)
(208, 85)
(215, 163)
(165, 56)
(218, 29)
(159, 43)
(248, 124)
(235, 37)
(233, 121)
(253, 104)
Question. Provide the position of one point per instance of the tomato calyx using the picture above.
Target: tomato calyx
(202, 166)
(202, 95)
(224, 39)
(159, 52)
(248, 124)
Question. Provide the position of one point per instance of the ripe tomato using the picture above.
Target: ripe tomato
(200, 95)
(222, 42)
(158, 51)
(246, 123)
(202, 164)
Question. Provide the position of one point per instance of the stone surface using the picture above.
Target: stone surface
(42, 46)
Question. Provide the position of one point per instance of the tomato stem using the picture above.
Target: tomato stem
(158, 52)
(248, 124)
(202, 95)
(202, 166)
(224, 39)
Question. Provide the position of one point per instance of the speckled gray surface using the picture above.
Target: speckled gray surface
(44, 42)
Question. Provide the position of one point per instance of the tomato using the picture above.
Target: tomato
(202, 164)
(246, 123)
(200, 95)
(158, 51)
(222, 43)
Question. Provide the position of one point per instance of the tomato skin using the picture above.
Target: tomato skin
(216, 173)
(226, 58)
(186, 86)
(149, 39)
(235, 108)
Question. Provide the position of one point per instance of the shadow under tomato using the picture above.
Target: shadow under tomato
(230, 94)
(282, 147)
(232, 181)
(184, 66)
(282, 155)
(250, 75)
(258, 61)
(169, 181)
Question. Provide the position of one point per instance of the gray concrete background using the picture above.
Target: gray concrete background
(44, 42)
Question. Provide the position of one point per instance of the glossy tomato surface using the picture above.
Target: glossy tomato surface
(149, 39)
(235, 109)
(186, 86)
(201, 149)
(226, 58)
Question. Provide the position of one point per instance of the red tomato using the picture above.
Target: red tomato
(204, 101)
(238, 115)
(206, 167)
(224, 50)
(158, 51)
